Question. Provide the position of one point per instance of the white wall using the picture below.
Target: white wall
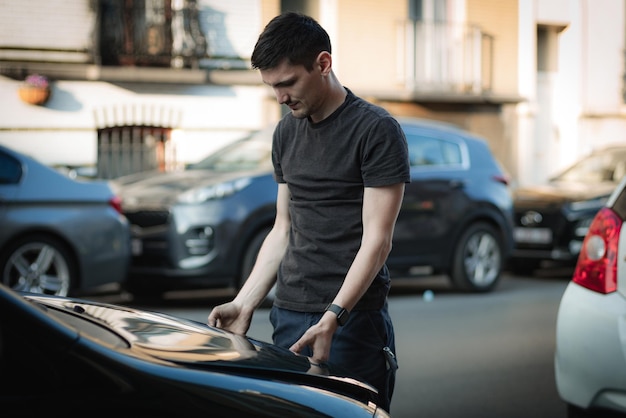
(578, 107)
(64, 130)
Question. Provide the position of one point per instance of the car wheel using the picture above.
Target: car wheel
(249, 258)
(477, 260)
(39, 264)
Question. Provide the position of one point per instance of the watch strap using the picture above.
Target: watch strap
(342, 313)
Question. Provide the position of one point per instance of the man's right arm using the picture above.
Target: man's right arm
(263, 274)
(236, 316)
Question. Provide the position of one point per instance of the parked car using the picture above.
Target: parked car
(590, 359)
(70, 357)
(57, 235)
(203, 226)
(551, 220)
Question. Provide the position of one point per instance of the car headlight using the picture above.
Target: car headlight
(216, 191)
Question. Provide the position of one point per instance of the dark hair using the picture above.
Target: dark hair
(294, 36)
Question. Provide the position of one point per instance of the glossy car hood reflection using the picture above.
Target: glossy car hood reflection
(560, 192)
(184, 343)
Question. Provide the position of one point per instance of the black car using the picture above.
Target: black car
(551, 220)
(63, 357)
(202, 227)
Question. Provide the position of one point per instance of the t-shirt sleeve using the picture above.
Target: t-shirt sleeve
(385, 157)
(278, 171)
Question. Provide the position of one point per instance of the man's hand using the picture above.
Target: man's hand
(319, 338)
(230, 317)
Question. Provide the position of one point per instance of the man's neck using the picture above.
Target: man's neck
(336, 96)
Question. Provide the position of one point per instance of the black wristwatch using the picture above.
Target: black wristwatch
(342, 313)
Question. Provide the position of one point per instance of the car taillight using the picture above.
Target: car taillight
(116, 203)
(597, 263)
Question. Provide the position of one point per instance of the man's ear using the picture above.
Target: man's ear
(325, 62)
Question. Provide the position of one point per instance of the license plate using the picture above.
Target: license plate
(533, 235)
(136, 246)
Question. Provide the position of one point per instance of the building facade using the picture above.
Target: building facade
(173, 75)
(572, 75)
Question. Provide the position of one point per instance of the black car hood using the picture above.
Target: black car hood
(117, 358)
(562, 192)
(182, 343)
(164, 188)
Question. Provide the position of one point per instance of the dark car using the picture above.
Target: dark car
(551, 220)
(58, 235)
(62, 357)
(203, 226)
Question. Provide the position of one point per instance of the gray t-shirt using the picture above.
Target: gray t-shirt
(326, 166)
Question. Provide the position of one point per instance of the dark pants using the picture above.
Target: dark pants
(361, 346)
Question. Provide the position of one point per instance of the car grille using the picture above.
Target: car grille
(148, 218)
(150, 227)
(551, 219)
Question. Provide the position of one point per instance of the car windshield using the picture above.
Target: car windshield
(607, 166)
(249, 154)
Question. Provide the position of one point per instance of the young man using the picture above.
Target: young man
(341, 164)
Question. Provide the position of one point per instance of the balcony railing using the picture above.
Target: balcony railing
(444, 57)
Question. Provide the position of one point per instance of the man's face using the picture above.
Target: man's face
(294, 86)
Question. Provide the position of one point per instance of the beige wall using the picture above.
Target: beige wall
(366, 46)
(366, 50)
(499, 18)
(269, 9)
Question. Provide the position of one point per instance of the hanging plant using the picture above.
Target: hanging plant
(35, 89)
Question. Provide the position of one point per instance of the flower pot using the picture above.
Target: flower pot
(34, 95)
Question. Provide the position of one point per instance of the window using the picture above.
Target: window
(309, 7)
(428, 10)
(547, 48)
(10, 169)
(130, 149)
(157, 33)
(242, 155)
(606, 166)
(425, 151)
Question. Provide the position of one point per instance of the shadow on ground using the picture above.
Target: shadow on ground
(405, 284)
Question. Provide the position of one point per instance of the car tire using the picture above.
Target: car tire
(144, 293)
(39, 264)
(249, 258)
(477, 259)
(521, 267)
(574, 411)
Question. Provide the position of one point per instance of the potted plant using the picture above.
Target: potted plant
(35, 89)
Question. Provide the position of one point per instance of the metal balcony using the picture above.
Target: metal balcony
(442, 57)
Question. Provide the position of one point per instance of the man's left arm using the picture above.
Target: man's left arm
(381, 206)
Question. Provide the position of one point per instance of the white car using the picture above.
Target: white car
(590, 360)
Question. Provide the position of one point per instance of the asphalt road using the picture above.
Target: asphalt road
(460, 355)
(481, 356)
